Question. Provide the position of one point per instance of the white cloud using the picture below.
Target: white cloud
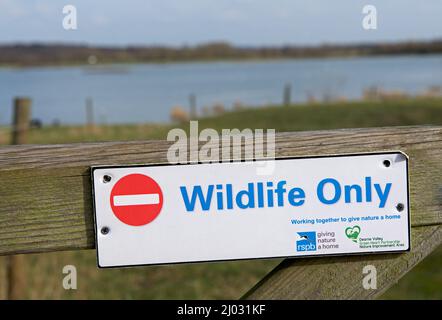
(100, 20)
(46, 9)
(13, 9)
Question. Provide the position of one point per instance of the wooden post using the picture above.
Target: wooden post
(16, 277)
(192, 102)
(15, 272)
(22, 112)
(287, 95)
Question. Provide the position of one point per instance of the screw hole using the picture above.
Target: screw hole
(107, 178)
(387, 163)
(105, 230)
(400, 207)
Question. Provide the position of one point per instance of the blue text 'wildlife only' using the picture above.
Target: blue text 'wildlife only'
(269, 194)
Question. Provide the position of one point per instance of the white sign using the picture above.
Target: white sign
(327, 205)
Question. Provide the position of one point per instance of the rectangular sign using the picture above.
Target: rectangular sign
(289, 207)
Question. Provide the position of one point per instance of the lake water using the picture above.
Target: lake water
(147, 92)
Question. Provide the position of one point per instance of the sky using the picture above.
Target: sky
(240, 22)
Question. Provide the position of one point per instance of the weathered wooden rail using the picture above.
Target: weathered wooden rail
(45, 203)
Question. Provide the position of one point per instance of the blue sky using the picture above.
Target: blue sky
(241, 22)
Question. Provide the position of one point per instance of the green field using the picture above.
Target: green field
(230, 279)
(293, 118)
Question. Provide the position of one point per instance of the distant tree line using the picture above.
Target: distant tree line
(63, 54)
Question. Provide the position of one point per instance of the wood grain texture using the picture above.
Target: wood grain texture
(45, 191)
(341, 277)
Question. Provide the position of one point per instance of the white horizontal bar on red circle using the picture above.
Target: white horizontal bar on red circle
(136, 199)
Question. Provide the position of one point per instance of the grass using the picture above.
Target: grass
(293, 118)
(227, 280)
(423, 282)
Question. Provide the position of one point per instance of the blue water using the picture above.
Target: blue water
(147, 92)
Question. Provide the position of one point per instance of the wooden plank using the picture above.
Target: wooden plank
(45, 194)
(341, 277)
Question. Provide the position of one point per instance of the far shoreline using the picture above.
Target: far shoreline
(106, 64)
(64, 54)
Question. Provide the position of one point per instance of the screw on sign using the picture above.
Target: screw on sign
(136, 199)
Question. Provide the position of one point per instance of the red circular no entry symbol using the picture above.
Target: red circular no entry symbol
(136, 199)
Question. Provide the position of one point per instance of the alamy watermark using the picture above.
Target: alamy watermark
(370, 20)
(70, 279)
(69, 21)
(229, 145)
(369, 282)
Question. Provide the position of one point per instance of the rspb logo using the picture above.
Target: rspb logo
(307, 241)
